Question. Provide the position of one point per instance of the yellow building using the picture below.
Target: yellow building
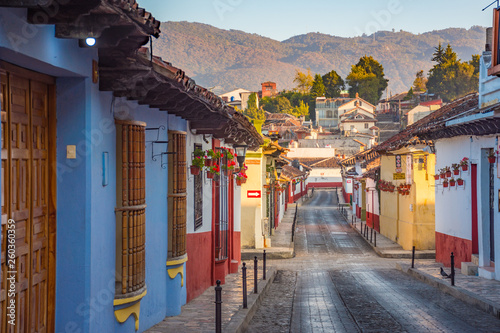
(407, 212)
(257, 203)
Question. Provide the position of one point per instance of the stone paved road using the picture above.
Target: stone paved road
(336, 283)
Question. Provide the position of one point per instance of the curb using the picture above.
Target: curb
(239, 322)
(382, 254)
(288, 254)
(457, 292)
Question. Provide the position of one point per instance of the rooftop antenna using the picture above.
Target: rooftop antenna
(497, 2)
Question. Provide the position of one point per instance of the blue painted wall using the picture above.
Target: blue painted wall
(85, 267)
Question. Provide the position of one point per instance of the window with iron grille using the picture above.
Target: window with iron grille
(222, 213)
(131, 207)
(198, 196)
(177, 194)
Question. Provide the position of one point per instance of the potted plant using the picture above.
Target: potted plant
(198, 162)
(492, 156)
(228, 154)
(241, 178)
(445, 183)
(442, 173)
(436, 177)
(464, 163)
(456, 168)
(460, 181)
(212, 155)
(452, 181)
(213, 170)
(448, 171)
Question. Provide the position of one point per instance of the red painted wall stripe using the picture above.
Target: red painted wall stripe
(461, 248)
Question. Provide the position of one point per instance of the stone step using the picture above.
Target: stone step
(487, 272)
(469, 268)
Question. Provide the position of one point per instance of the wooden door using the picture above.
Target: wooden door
(27, 99)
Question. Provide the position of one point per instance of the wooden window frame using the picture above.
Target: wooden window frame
(131, 208)
(198, 196)
(177, 194)
(495, 51)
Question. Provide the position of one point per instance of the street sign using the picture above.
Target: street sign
(253, 194)
(399, 176)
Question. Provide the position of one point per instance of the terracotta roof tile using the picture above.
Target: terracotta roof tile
(434, 121)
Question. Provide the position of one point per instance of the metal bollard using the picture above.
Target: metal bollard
(264, 265)
(218, 310)
(413, 257)
(452, 274)
(244, 275)
(255, 290)
(352, 219)
(371, 235)
(375, 239)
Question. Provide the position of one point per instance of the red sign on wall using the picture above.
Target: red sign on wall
(253, 194)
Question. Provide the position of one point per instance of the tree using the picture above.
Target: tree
(367, 79)
(450, 77)
(252, 111)
(301, 110)
(318, 88)
(304, 81)
(438, 54)
(409, 95)
(278, 104)
(420, 82)
(333, 84)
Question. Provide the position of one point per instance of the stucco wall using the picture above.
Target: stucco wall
(457, 221)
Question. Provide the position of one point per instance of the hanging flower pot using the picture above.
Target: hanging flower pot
(436, 177)
(456, 172)
(465, 167)
(452, 182)
(238, 182)
(491, 159)
(208, 162)
(460, 181)
(210, 175)
(195, 170)
(442, 175)
(445, 184)
(448, 173)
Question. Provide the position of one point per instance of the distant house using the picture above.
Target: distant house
(268, 89)
(330, 110)
(357, 120)
(420, 111)
(238, 98)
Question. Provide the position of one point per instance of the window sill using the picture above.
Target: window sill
(220, 261)
(130, 297)
(494, 70)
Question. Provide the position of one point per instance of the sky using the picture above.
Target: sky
(282, 19)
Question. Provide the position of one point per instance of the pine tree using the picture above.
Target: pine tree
(318, 88)
(438, 54)
(333, 84)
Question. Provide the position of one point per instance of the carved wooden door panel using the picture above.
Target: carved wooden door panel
(25, 198)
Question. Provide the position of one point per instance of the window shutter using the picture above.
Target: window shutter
(131, 206)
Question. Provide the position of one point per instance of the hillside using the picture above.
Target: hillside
(231, 58)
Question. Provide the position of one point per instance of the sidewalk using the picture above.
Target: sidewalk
(282, 246)
(199, 314)
(385, 247)
(479, 292)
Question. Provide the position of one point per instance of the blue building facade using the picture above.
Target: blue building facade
(81, 266)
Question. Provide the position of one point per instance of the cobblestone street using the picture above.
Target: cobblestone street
(336, 283)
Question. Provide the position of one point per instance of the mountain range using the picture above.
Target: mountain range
(229, 59)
